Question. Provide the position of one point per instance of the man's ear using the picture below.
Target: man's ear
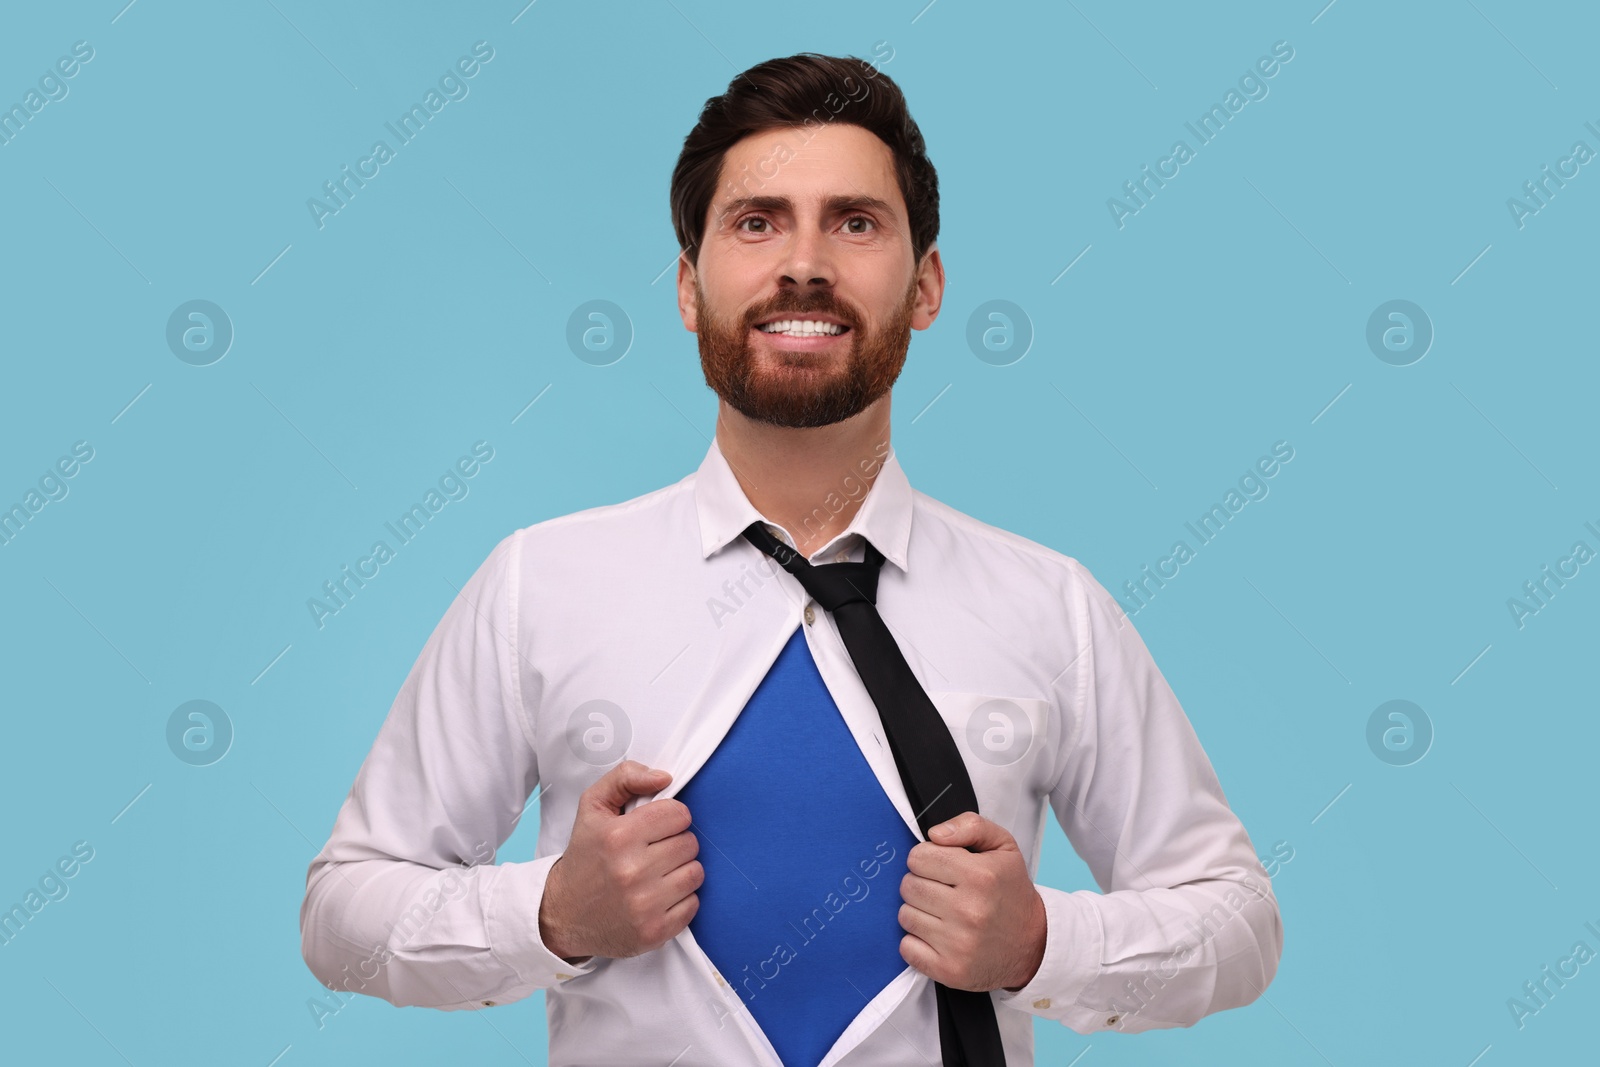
(686, 280)
(930, 289)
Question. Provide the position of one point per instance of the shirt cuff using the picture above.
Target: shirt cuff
(512, 922)
(1073, 946)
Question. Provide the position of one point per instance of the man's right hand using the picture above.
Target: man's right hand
(626, 884)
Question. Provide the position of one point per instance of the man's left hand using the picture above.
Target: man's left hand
(973, 919)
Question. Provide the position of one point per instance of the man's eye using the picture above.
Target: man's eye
(750, 220)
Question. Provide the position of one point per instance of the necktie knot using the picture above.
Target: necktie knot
(833, 585)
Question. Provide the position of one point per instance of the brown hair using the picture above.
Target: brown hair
(802, 90)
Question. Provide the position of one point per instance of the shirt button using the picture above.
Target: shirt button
(488, 1003)
(841, 557)
(563, 977)
(811, 615)
(1042, 1002)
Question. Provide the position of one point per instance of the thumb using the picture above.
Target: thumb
(971, 830)
(626, 780)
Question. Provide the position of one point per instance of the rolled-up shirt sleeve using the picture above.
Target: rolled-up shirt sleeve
(405, 902)
(1186, 922)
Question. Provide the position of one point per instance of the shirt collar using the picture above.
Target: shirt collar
(884, 517)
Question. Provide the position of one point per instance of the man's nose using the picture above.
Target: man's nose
(807, 260)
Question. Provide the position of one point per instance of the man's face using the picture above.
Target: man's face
(813, 234)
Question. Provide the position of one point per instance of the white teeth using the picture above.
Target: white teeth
(801, 328)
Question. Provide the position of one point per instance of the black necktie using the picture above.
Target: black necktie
(930, 765)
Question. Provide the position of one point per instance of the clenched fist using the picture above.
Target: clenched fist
(972, 915)
(626, 883)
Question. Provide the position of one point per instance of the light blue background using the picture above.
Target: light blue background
(1228, 314)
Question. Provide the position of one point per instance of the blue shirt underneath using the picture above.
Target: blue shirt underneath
(803, 855)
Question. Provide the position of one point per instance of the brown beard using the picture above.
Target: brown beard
(795, 394)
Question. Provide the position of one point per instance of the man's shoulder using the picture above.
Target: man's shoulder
(649, 516)
(962, 533)
(1032, 573)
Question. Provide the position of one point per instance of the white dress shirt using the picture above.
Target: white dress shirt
(639, 630)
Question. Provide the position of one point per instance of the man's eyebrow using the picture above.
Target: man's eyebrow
(833, 205)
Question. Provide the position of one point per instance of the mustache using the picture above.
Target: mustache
(819, 303)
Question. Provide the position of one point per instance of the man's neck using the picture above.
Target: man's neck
(809, 481)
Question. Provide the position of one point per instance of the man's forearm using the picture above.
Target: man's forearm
(416, 936)
(1142, 960)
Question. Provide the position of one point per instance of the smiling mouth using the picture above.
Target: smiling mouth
(802, 328)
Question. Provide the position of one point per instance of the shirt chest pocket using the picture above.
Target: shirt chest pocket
(1004, 742)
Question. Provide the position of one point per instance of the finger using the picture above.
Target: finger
(972, 831)
(622, 783)
(921, 956)
(657, 820)
(685, 881)
(927, 895)
(939, 863)
(670, 853)
(683, 912)
(915, 921)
